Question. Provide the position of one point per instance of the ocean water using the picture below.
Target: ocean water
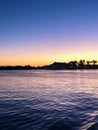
(48, 100)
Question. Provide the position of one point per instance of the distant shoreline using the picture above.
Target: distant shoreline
(72, 65)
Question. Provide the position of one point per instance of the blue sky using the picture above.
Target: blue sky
(38, 32)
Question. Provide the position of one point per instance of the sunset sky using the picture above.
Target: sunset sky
(39, 32)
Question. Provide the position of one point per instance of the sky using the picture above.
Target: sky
(39, 32)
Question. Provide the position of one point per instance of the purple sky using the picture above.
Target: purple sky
(39, 32)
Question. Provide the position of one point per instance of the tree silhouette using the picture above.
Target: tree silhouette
(94, 62)
(82, 64)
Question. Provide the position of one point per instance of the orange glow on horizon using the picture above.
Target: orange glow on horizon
(46, 59)
(46, 55)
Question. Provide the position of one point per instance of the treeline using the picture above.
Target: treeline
(72, 65)
(19, 67)
(82, 64)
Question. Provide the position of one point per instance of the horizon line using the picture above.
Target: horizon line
(85, 62)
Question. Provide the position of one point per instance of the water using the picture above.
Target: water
(48, 100)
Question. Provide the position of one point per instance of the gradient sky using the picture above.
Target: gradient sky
(39, 32)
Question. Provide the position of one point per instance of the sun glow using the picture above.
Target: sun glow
(41, 59)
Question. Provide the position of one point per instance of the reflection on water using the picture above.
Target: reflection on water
(48, 100)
